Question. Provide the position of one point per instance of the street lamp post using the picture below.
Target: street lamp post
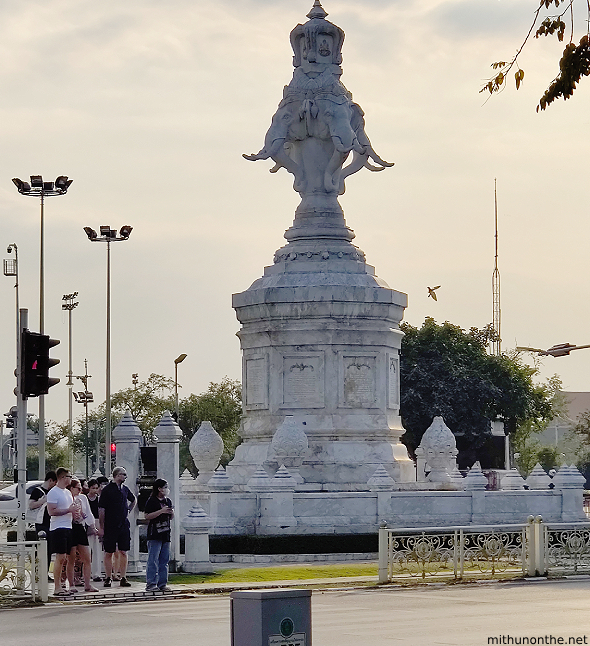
(108, 235)
(559, 350)
(38, 188)
(178, 360)
(68, 305)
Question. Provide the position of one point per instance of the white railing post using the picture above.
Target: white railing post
(461, 553)
(531, 550)
(540, 566)
(455, 553)
(43, 567)
(383, 553)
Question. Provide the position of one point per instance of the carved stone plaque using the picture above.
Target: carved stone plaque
(303, 381)
(392, 381)
(359, 381)
(256, 382)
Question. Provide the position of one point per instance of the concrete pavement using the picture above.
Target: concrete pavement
(457, 615)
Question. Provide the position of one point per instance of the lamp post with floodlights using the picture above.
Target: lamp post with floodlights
(108, 235)
(38, 188)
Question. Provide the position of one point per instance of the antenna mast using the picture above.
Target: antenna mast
(497, 316)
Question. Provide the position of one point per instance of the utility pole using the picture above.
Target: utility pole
(86, 398)
(68, 305)
(21, 447)
(497, 313)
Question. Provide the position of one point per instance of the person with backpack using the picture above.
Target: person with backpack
(159, 511)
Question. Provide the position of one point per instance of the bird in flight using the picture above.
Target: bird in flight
(432, 292)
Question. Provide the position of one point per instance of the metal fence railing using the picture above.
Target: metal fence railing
(533, 549)
(23, 570)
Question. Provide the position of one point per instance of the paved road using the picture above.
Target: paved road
(454, 615)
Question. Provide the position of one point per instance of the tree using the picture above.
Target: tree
(574, 62)
(56, 448)
(527, 449)
(447, 371)
(146, 401)
(220, 404)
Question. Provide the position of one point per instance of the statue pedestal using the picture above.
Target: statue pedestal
(320, 340)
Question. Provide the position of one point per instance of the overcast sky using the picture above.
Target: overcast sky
(149, 105)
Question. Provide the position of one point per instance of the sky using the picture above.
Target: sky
(148, 107)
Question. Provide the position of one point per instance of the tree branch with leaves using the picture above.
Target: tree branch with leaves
(574, 62)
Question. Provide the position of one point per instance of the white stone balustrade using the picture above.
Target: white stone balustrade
(128, 437)
(168, 444)
(196, 526)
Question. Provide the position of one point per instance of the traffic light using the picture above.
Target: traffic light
(113, 450)
(35, 364)
(11, 418)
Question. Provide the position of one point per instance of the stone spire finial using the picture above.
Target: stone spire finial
(317, 11)
(127, 429)
(167, 429)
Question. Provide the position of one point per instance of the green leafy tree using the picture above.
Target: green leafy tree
(220, 404)
(447, 371)
(146, 401)
(552, 18)
(56, 448)
(526, 447)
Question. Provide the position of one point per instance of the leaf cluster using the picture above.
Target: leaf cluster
(551, 25)
(574, 62)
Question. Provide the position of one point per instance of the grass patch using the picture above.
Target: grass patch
(279, 573)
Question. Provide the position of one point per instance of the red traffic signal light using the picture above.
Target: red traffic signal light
(113, 448)
(35, 364)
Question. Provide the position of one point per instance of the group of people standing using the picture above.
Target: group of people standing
(85, 526)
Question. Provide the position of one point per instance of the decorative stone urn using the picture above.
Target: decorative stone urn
(439, 450)
(206, 447)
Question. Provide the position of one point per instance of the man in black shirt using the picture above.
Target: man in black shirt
(115, 502)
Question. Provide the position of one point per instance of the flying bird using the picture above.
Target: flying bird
(432, 293)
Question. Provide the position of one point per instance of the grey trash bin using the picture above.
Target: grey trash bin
(270, 618)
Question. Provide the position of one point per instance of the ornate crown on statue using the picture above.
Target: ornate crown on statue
(318, 42)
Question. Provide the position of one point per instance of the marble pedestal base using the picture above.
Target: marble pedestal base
(320, 340)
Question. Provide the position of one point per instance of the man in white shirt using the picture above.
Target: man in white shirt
(60, 506)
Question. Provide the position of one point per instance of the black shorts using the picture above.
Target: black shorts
(79, 536)
(117, 538)
(60, 540)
